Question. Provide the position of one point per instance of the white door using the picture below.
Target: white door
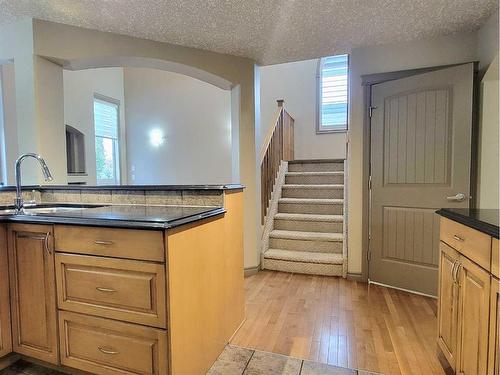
(420, 161)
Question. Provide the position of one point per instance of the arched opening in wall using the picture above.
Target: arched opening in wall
(150, 122)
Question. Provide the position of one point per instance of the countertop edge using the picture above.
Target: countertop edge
(481, 226)
(111, 223)
(126, 187)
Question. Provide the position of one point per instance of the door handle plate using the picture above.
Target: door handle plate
(459, 197)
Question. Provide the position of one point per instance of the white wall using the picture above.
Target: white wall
(387, 58)
(296, 83)
(195, 118)
(488, 173)
(79, 89)
(8, 121)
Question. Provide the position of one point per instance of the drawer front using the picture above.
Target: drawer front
(105, 347)
(473, 244)
(495, 258)
(115, 288)
(110, 242)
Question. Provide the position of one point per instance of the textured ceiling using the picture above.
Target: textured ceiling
(268, 31)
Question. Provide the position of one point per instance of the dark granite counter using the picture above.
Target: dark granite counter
(483, 220)
(121, 216)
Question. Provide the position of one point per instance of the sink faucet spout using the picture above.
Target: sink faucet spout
(45, 170)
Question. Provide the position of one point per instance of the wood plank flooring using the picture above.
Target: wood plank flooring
(340, 322)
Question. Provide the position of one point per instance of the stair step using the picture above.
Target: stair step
(309, 217)
(303, 256)
(331, 191)
(318, 178)
(306, 236)
(317, 166)
(311, 206)
(309, 222)
(322, 201)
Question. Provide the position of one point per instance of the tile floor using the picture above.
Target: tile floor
(233, 361)
(241, 361)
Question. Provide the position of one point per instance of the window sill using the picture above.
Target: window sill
(318, 131)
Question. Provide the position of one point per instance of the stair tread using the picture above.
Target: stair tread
(309, 217)
(306, 236)
(312, 200)
(313, 173)
(313, 186)
(304, 256)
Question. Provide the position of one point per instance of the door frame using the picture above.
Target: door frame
(367, 81)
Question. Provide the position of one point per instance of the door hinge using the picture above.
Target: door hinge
(370, 183)
(370, 110)
(369, 255)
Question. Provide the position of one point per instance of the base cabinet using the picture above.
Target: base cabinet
(494, 347)
(468, 300)
(473, 318)
(33, 296)
(5, 330)
(448, 303)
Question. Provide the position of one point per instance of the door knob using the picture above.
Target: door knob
(460, 197)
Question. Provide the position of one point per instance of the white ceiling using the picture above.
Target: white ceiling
(268, 31)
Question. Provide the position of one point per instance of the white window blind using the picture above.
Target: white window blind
(106, 119)
(333, 90)
(107, 146)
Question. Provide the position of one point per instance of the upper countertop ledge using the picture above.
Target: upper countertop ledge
(483, 220)
(126, 187)
(123, 216)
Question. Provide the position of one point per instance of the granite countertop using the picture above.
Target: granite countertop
(121, 216)
(125, 187)
(483, 220)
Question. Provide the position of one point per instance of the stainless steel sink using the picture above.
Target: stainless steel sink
(50, 210)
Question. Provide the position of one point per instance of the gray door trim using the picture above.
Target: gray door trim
(367, 81)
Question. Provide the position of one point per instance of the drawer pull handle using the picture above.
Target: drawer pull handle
(105, 290)
(99, 242)
(458, 238)
(107, 351)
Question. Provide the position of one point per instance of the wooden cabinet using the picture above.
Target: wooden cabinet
(32, 287)
(5, 330)
(473, 318)
(494, 335)
(108, 347)
(448, 303)
(468, 300)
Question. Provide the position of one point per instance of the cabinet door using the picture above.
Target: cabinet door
(447, 303)
(494, 348)
(473, 318)
(5, 330)
(32, 284)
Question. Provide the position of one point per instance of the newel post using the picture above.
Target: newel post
(280, 102)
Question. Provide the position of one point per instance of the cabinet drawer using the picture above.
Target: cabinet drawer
(115, 288)
(495, 258)
(473, 244)
(105, 347)
(110, 242)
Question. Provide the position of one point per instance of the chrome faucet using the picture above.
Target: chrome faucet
(19, 203)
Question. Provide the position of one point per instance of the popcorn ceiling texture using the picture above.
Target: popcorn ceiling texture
(267, 31)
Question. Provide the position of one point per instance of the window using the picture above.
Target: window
(107, 147)
(333, 93)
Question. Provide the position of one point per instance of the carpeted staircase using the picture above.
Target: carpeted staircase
(307, 235)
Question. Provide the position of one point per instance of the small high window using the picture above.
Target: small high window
(107, 146)
(333, 81)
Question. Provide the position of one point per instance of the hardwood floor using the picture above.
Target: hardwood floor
(340, 322)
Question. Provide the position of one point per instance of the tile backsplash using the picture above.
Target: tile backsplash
(121, 196)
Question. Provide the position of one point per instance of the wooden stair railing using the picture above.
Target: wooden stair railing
(278, 146)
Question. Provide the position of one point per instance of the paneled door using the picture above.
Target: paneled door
(420, 161)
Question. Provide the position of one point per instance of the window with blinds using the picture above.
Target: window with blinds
(333, 93)
(107, 147)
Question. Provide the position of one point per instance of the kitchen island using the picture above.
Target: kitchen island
(122, 289)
